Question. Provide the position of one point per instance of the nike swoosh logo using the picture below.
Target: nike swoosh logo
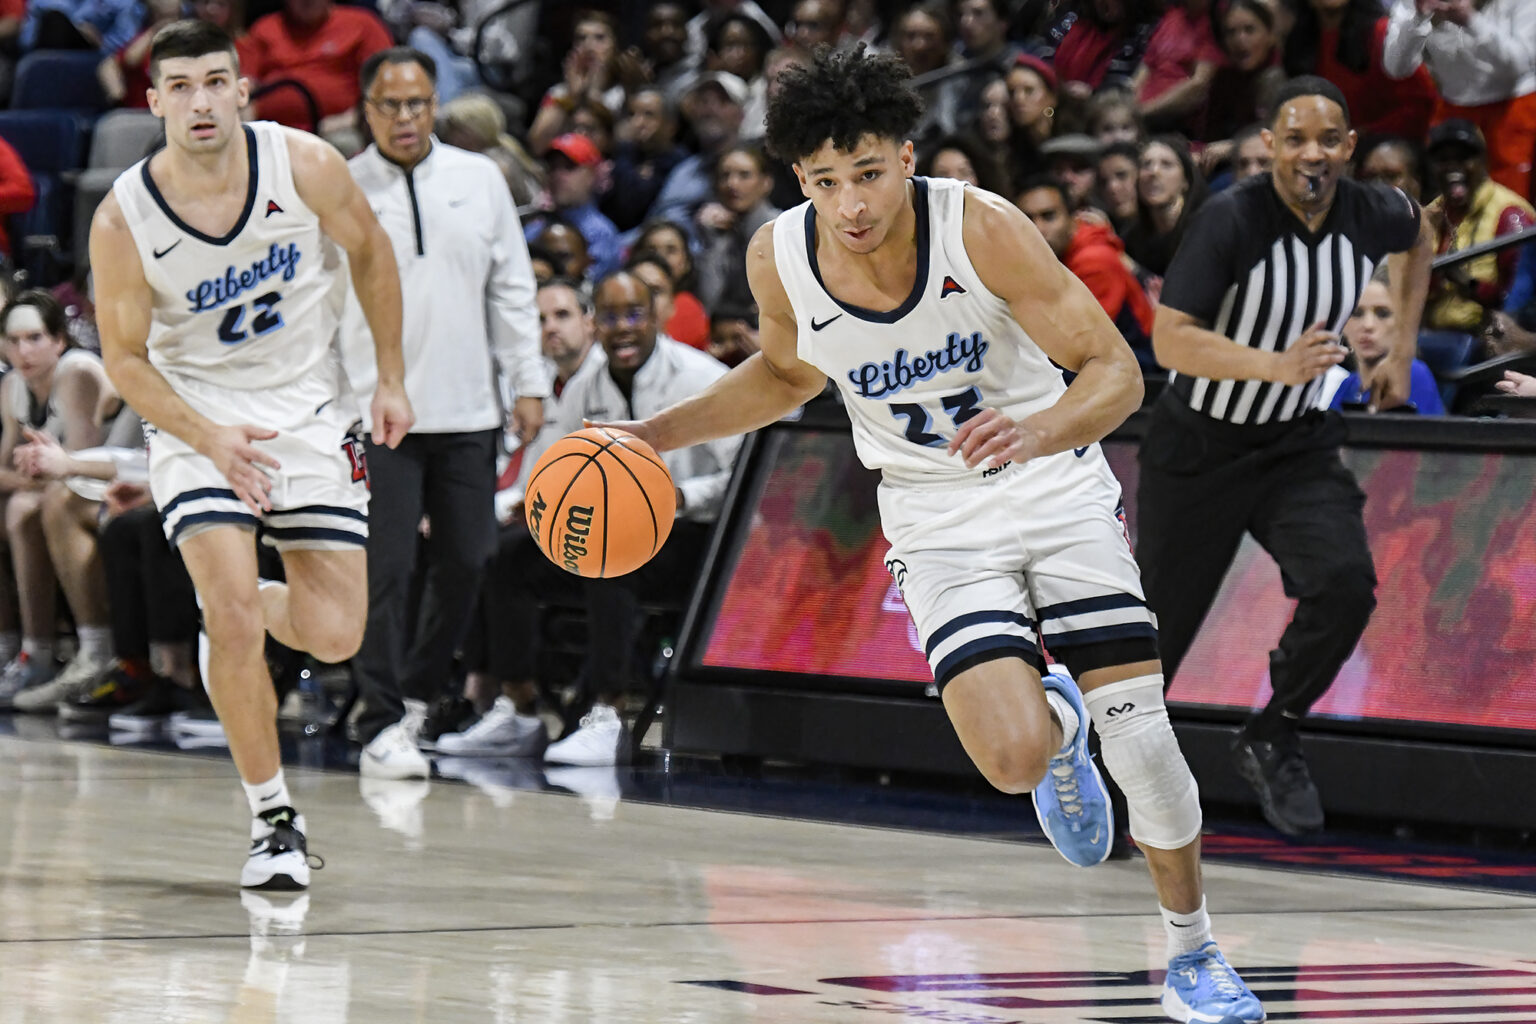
(161, 252)
(322, 405)
(818, 326)
(1080, 452)
(269, 796)
(458, 202)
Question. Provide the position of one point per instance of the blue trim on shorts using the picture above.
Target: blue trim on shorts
(198, 495)
(960, 622)
(1101, 634)
(286, 533)
(986, 648)
(1108, 602)
(319, 510)
(197, 518)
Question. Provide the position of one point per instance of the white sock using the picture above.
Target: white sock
(1186, 932)
(37, 650)
(1066, 715)
(10, 645)
(267, 795)
(95, 642)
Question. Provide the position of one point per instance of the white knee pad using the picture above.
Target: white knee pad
(1143, 755)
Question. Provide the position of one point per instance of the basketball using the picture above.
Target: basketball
(600, 503)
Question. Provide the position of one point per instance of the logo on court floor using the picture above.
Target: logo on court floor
(1445, 991)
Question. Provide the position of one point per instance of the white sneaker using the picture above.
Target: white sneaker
(21, 673)
(279, 857)
(415, 718)
(597, 786)
(393, 755)
(501, 732)
(82, 675)
(595, 744)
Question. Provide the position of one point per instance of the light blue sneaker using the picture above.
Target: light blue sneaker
(1071, 802)
(1203, 987)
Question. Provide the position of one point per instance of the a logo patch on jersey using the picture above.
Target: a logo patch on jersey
(272, 207)
(951, 287)
(904, 370)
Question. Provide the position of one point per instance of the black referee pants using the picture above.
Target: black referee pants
(1203, 485)
(451, 478)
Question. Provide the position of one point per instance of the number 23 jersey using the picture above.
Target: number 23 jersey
(911, 376)
(256, 308)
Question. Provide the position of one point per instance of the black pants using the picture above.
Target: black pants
(148, 589)
(521, 579)
(1203, 485)
(407, 650)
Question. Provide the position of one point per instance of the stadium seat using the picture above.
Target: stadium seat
(1445, 353)
(58, 80)
(50, 143)
(121, 139)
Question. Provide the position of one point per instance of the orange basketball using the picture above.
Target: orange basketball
(600, 502)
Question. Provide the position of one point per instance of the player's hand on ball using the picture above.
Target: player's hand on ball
(240, 461)
(991, 437)
(640, 428)
(392, 416)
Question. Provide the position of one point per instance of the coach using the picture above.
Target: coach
(468, 293)
(1252, 306)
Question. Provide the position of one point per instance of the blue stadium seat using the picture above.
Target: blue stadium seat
(1446, 352)
(58, 80)
(50, 143)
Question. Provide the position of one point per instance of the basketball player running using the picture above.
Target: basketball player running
(217, 300)
(938, 310)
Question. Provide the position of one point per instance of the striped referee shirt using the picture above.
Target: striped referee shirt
(1248, 269)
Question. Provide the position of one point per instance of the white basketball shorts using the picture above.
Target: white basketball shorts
(319, 493)
(1038, 551)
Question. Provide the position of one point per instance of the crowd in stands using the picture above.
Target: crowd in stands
(629, 136)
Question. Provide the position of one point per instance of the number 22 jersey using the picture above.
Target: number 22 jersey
(256, 308)
(911, 376)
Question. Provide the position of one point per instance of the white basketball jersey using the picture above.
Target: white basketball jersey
(910, 376)
(256, 308)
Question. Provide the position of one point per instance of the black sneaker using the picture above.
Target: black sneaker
(115, 693)
(446, 714)
(1278, 774)
(152, 711)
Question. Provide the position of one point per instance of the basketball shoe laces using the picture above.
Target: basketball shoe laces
(1064, 783)
(1223, 977)
(285, 838)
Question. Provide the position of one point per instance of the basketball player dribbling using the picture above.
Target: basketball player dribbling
(217, 295)
(938, 309)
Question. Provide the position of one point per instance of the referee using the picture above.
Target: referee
(1252, 306)
(468, 310)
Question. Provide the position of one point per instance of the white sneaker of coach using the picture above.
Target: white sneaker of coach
(501, 732)
(393, 755)
(594, 744)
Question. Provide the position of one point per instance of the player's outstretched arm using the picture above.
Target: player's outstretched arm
(123, 308)
(762, 389)
(1066, 321)
(326, 186)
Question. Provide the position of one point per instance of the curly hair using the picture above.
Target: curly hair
(841, 96)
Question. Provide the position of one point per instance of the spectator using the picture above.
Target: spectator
(1395, 161)
(1483, 55)
(1245, 84)
(17, 192)
(733, 334)
(994, 117)
(322, 46)
(1342, 40)
(714, 108)
(816, 23)
(435, 29)
(477, 123)
(1473, 208)
(647, 152)
(594, 69)
(124, 75)
(689, 323)
(1098, 44)
(1168, 188)
(105, 26)
(1091, 251)
(956, 156)
(1370, 333)
(983, 31)
(726, 224)
(1032, 99)
(651, 268)
(596, 122)
(55, 389)
(1251, 154)
(739, 46)
(1174, 80)
(562, 242)
(665, 47)
(924, 37)
(698, 25)
(467, 305)
(1114, 117)
(13, 13)
(573, 162)
(1118, 169)
(1073, 160)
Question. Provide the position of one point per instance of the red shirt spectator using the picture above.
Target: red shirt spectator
(1096, 257)
(689, 323)
(1098, 46)
(1345, 46)
(322, 47)
(1181, 43)
(17, 193)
